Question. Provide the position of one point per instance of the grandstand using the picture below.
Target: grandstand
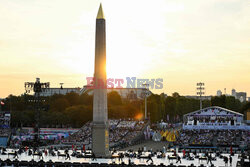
(4, 128)
(214, 127)
(121, 132)
(214, 118)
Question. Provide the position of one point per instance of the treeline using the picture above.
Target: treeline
(73, 110)
(70, 110)
(176, 106)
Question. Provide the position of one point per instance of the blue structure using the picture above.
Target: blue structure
(3, 141)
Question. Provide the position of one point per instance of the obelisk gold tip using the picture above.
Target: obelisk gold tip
(100, 14)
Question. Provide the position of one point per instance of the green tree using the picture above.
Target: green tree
(114, 98)
(73, 98)
(60, 104)
(78, 115)
(219, 101)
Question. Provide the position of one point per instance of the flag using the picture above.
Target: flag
(2, 103)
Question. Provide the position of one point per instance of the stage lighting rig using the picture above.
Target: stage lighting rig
(36, 87)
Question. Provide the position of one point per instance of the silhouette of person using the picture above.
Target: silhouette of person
(178, 159)
(150, 158)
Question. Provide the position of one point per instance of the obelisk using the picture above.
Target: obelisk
(100, 127)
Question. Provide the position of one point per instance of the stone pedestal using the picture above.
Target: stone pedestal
(100, 140)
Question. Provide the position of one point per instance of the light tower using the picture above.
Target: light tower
(200, 91)
(37, 87)
(146, 93)
(61, 85)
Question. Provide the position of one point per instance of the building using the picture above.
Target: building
(125, 93)
(219, 93)
(198, 97)
(62, 91)
(234, 92)
(213, 118)
(242, 96)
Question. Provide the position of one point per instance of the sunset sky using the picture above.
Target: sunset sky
(181, 41)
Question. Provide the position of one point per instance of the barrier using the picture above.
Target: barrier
(216, 127)
(3, 141)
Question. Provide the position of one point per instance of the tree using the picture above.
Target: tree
(60, 104)
(176, 95)
(86, 99)
(78, 115)
(219, 101)
(72, 98)
(114, 98)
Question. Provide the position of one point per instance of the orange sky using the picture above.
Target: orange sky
(181, 41)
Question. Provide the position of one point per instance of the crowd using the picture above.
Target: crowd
(5, 132)
(4, 125)
(213, 137)
(232, 137)
(212, 119)
(204, 137)
(119, 131)
(132, 131)
(144, 155)
(83, 135)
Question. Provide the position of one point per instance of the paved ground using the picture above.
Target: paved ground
(157, 161)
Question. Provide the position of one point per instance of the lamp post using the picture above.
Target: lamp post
(37, 87)
(146, 93)
(200, 91)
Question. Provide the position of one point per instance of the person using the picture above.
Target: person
(225, 160)
(209, 159)
(139, 151)
(178, 159)
(30, 152)
(15, 154)
(93, 157)
(144, 148)
(129, 162)
(67, 155)
(230, 160)
(58, 153)
(231, 150)
(150, 159)
(40, 154)
(121, 157)
(26, 149)
(83, 147)
(45, 152)
(174, 153)
(164, 149)
(242, 161)
(184, 153)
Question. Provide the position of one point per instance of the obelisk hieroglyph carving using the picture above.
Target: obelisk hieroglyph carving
(100, 127)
